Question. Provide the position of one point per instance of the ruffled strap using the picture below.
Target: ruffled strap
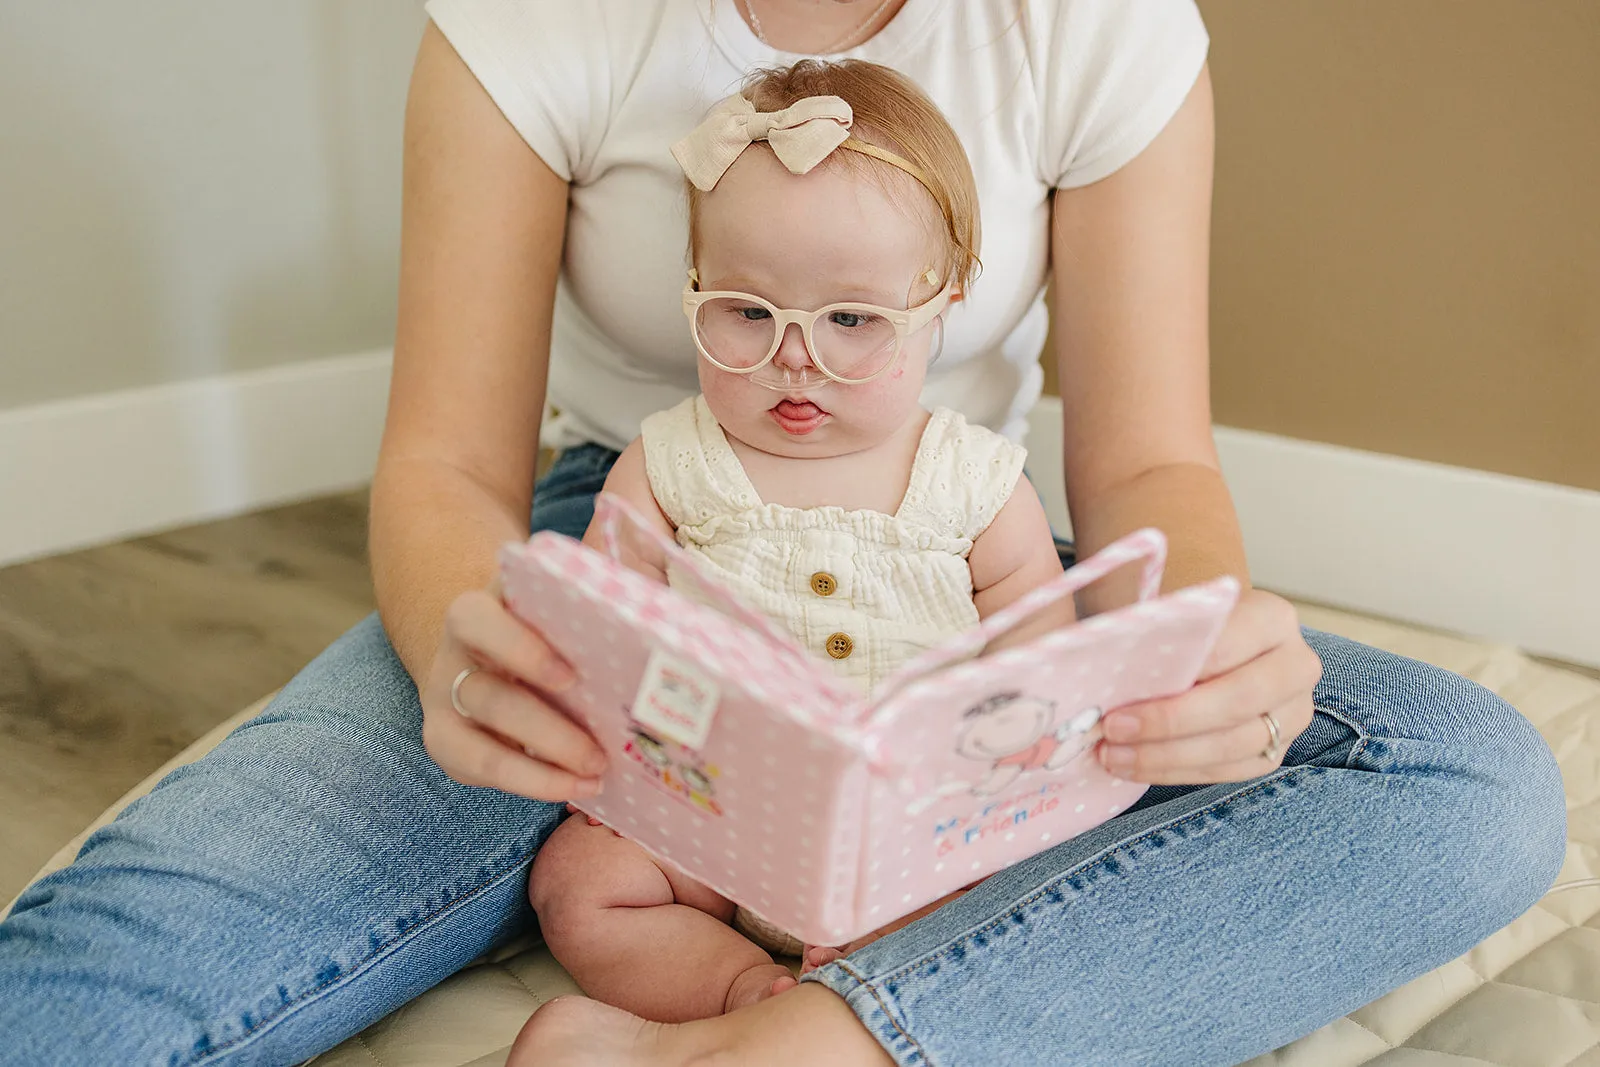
(962, 476)
(693, 472)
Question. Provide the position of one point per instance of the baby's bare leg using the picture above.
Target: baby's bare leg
(641, 937)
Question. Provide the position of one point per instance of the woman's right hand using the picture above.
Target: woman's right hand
(510, 737)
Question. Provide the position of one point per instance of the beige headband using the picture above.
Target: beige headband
(801, 135)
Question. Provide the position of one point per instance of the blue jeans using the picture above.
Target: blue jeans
(317, 870)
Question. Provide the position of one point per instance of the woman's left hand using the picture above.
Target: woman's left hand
(1215, 731)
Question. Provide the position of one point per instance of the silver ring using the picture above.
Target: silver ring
(1271, 751)
(455, 690)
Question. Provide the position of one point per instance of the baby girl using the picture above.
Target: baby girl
(832, 226)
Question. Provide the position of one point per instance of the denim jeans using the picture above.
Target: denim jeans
(317, 870)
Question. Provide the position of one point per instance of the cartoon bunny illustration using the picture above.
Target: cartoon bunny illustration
(1013, 732)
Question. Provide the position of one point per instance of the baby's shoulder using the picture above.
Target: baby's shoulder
(676, 421)
(963, 475)
(950, 435)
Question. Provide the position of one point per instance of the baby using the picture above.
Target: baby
(833, 225)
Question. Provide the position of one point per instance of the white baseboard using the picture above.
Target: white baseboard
(1484, 554)
(1503, 558)
(100, 468)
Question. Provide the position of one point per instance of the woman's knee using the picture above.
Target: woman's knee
(1511, 815)
(1499, 812)
(1522, 774)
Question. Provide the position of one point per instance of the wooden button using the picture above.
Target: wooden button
(823, 583)
(839, 645)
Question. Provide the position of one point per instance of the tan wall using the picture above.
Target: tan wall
(1407, 228)
(190, 188)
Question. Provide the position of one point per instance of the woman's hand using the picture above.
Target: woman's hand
(1214, 732)
(510, 737)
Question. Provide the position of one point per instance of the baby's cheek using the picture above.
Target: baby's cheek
(727, 395)
(892, 398)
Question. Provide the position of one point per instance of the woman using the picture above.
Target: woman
(1306, 846)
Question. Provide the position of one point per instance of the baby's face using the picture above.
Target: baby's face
(803, 242)
(1006, 730)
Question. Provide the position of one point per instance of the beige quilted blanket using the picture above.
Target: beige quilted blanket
(1529, 996)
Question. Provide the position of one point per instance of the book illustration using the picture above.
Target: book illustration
(1017, 734)
(675, 768)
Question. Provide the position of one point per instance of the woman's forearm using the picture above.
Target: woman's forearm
(1190, 503)
(434, 534)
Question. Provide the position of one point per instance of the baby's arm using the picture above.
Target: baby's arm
(1013, 556)
(629, 481)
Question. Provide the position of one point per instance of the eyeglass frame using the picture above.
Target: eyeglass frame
(906, 322)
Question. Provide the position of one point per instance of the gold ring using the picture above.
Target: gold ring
(455, 691)
(1274, 738)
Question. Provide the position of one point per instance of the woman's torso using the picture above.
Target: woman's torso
(602, 90)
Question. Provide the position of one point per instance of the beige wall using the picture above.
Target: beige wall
(1407, 228)
(190, 187)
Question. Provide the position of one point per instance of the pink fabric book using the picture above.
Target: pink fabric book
(740, 758)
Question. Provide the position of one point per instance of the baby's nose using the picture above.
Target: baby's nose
(792, 351)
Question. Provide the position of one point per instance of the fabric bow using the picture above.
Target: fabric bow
(801, 135)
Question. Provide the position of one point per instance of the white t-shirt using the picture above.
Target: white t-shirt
(1058, 95)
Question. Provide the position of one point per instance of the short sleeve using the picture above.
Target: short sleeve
(693, 472)
(1111, 75)
(545, 63)
(962, 476)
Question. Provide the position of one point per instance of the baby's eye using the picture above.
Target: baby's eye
(850, 320)
(752, 312)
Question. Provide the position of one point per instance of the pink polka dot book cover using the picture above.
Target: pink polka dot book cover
(741, 758)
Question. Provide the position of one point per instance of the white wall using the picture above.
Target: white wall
(191, 188)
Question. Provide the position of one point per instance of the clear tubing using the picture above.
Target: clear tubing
(788, 380)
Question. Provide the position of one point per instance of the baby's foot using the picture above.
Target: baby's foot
(758, 983)
(580, 1032)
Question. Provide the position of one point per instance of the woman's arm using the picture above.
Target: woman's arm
(482, 224)
(1130, 257)
(481, 237)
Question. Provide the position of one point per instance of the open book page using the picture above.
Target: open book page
(989, 758)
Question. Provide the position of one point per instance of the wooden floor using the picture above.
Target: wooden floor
(114, 659)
